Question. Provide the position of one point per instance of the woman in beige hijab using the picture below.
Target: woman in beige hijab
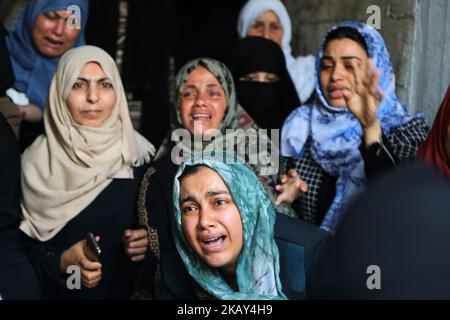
(82, 176)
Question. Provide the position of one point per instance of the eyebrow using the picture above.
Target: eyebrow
(215, 193)
(263, 22)
(56, 14)
(186, 199)
(94, 79)
(342, 58)
(192, 86)
(208, 194)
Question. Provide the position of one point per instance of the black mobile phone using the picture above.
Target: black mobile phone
(93, 245)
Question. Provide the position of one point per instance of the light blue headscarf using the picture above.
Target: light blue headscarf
(32, 70)
(335, 134)
(258, 268)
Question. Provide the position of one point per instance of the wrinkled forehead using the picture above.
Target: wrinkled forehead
(73, 68)
(254, 9)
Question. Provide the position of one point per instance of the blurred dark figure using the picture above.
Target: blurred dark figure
(263, 85)
(7, 76)
(10, 111)
(401, 225)
(17, 277)
(205, 28)
(152, 40)
(138, 34)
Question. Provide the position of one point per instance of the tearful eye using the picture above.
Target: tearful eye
(77, 85)
(188, 209)
(273, 79)
(51, 15)
(349, 66)
(275, 27)
(326, 66)
(246, 78)
(221, 202)
(187, 94)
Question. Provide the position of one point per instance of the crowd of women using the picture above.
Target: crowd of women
(216, 225)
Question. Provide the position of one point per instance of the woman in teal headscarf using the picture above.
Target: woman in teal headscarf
(205, 95)
(226, 238)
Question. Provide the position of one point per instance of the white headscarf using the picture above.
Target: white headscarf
(65, 169)
(301, 69)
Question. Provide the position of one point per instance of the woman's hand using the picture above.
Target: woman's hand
(135, 243)
(364, 98)
(91, 271)
(291, 187)
(31, 112)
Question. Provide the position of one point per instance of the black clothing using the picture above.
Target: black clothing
(17, 277)
(146, 53)
(10, 187)
(397, 147)
(396, 231)
(6, 72)
(268, 103)
(205, 28)
(113, 211)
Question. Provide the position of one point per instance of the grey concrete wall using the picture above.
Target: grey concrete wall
(430, 75)
(409, 28)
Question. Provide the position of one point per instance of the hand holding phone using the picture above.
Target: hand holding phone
(94, 250)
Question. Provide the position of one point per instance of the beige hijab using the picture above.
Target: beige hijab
(65, 169)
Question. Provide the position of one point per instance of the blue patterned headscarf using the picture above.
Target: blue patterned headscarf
(335, 134)
(32, 70)
(258, 268)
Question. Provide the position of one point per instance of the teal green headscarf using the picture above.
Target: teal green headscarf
(258, 268)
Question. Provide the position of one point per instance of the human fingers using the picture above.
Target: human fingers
(138, 258)
(139, 243)
(292, 173)
(281, 198)
(136, 251)
(91, 279)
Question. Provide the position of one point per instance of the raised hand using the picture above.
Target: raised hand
(364, 98)
(291, 187)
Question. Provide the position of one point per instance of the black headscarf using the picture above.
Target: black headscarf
(401, 225)
(267, 103)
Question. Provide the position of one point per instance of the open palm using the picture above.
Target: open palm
(364, 97)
